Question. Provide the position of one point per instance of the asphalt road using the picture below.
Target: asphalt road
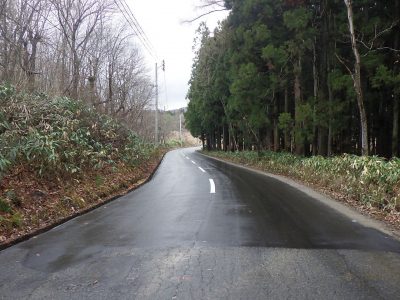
(202, 229)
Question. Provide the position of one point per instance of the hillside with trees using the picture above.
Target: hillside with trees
(307, 77)
(80, 49)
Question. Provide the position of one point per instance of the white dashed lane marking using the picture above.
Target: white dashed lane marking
(212, 187)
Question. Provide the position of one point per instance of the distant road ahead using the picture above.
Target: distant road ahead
(203, 229)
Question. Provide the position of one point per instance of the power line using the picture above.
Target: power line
(137, 25)
(135, 28)
(144, 40)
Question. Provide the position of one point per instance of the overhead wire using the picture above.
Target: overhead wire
(134, 26)
(140, 33)
(138, 26)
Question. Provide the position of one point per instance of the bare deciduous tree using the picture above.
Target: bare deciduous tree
(356, 76)
(78, 19)
(75, 47)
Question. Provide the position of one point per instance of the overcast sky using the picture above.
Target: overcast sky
(173, 41)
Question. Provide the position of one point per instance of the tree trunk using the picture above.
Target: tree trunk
(231, 132)
(5, 55)
(330, 100)
(92, 89)
(276, 129)
(230, 136)
(316, 133)
(75, 76)
(323, 75)
(208, 142)
(356, 76)
(299, 140)
(218, 139)
(62, 86)
(226, 137)
(75, 64)
(395, 130)
(286, 137)
(34, 40)
(110, 99)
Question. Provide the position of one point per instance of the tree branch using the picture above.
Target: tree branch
(344, 64)
(203, 15)
(376, 36)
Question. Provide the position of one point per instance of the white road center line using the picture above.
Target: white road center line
(193, 162)
(201, 169)
(212, 187)
(187, 157)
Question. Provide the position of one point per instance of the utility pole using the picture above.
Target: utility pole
(156, 108)
(180, 127)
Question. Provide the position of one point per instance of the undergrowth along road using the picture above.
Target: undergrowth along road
(59, 157)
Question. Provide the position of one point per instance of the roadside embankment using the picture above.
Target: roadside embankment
(60, 158)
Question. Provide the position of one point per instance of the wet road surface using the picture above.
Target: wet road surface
(203, 229)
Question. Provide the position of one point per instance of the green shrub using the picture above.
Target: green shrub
(16, 220)
(13, 197)
(4, 164)
(59, 136)
(99, 180)
(4, 206)
(173, 143)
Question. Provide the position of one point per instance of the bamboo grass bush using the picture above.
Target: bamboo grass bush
(61, 137)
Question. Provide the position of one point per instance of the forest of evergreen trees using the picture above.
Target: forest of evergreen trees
(310, 77)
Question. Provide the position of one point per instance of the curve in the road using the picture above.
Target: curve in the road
(256, 238)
